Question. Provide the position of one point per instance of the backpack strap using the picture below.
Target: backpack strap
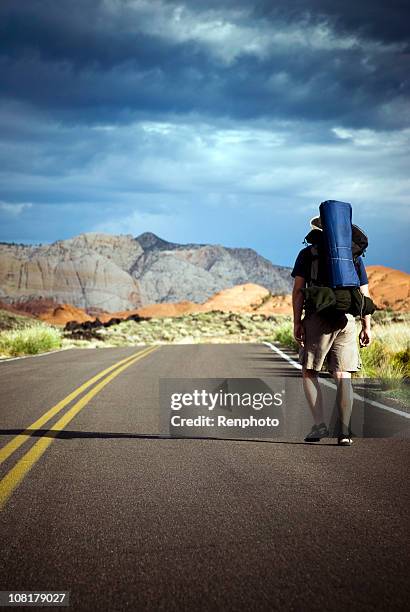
(314, 266)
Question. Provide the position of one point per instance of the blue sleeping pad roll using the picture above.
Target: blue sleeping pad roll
(336, 218)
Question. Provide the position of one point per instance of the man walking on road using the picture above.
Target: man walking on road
(326, 335)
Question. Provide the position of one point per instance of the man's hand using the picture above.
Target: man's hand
(365, 337)
(298, 333)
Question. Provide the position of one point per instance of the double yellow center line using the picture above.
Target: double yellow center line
(14, 477)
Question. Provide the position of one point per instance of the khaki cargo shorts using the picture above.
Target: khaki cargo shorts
(331, 339)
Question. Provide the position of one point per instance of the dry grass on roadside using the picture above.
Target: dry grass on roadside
(388, 357)
(29, 341)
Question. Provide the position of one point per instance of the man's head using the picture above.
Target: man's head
(316, 223)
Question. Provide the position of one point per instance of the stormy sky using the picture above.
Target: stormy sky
(202, 121)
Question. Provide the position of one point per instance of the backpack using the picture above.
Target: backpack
(317, 251)
(339, 244)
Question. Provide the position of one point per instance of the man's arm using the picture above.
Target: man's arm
(365, 336)
(297, 303)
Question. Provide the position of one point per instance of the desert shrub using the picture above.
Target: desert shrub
(374, 356)
(402, 359)
(388, 316)
(395, 336)
(283, 333)
(379, 360)
(391, 375)
(30, 341)
(10, 321)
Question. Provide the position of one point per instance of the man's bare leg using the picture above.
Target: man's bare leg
(344, 400)
(313, 394)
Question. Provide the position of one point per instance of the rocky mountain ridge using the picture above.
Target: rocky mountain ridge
(111, 273)
(389, 288)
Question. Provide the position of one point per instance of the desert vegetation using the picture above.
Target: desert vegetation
(388, 357)
(215, 326)
(21, 335)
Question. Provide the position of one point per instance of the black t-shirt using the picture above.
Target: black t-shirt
(303, 265)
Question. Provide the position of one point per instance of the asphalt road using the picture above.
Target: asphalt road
(109, 508)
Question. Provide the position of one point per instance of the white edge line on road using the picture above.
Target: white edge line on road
(328, 383)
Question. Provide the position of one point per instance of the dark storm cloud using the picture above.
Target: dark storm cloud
(203, 121)
(381, 20)
(84, 38)
(90, 62)
(385, 21)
